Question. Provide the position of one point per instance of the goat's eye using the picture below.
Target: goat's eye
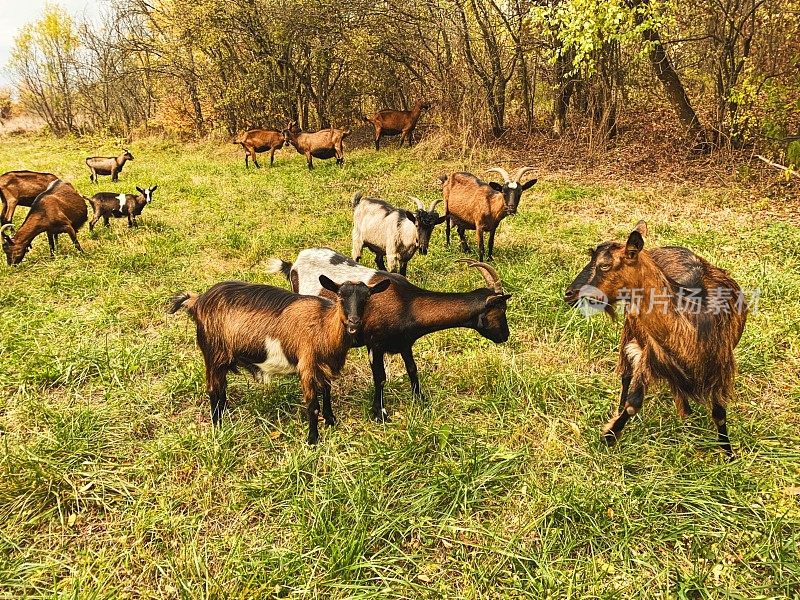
(605, 267)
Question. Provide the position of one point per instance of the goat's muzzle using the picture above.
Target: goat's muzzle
(354, 326)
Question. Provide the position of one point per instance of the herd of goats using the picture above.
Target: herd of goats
(683, 316)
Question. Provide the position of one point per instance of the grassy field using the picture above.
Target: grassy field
(113, 483)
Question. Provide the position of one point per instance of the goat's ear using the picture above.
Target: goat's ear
(329, 284)
(411, 216)
(529, 184)
(441, 219)
(140, 190)
(153, 189)
(379, 287)
(495, 300)
(641, 227)
(634, 245)
(497, 187)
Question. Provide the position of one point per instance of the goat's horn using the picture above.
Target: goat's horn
(433, 204)
(418, 202)
(6, 226)
(502, 172)
(522, 170)
(489, 274)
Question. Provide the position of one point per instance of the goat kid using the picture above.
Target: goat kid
(396, 319)
(109, 204)
(397, 122)
(269, 331)
(21, 188)
(108, 165)
(683, 319)
(471, 203)
(392, 233)
(324, 144)
(59, 209)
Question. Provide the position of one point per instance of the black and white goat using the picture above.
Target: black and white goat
(396, 319)
(392, 233)
(269, 331)
(109, 204)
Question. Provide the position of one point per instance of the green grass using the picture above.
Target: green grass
(113, 483)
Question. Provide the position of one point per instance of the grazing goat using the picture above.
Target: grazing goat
(393, 233)
(21, 188)
(269, 331)
(260, 140)
(396, 319)
(107, 165)
(683, 318)
(397, 122)
(59, 209)
(470, 203)
(324, 144)
(109, 204)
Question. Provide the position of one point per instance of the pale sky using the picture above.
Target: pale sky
(16, 13)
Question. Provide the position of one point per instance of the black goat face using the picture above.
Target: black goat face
(426, 221)
(492, 323)
(512, 192)
(353, 296)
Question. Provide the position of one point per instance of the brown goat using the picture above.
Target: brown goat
(269, 331)
(683, 319)
(470, 203)
(397, 122)
(324, 144)
(21, 188)
(59, 209)
(260, 140)
(107, 165)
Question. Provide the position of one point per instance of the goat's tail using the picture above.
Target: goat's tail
(182, 300)
(276, 265)
(356, 199)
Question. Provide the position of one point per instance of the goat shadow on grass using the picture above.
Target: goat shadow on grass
(274, 402)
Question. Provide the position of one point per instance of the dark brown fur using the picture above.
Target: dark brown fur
(21, 188)
(59, 209)
(106, 205)
(235, 319)
(397, 122)
(323, 144)
(689, 344)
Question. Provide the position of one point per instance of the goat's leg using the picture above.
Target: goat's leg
(377, 138)
(358, 246)
(379, 262)
(479, 233)
(720, 415)
(309, 161)
(9, 206)
(379, 380)
(312, 408)
(447, 232)
(246, 158)
(106, 221)
(327, 409)
(72, 236)
(217, 388)
(463, 237)
(491, 245)
(633, 404)
(255, 159)
(411, 369)
(114, 176)
(271, 156)
(130, 220)
(403, 267)
(682, 405)
(95, 219)
(51, 240)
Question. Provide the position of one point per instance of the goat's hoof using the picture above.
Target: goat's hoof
(331, 421)
(609, 438)
(312, 439)
(382, 417)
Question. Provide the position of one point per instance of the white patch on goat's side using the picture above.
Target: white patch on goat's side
(276, 362)
(634, 353)
(513, 185)
(123, 200)
(313, 262)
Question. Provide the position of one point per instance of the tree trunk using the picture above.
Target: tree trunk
(673, 87)
(565, 87)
